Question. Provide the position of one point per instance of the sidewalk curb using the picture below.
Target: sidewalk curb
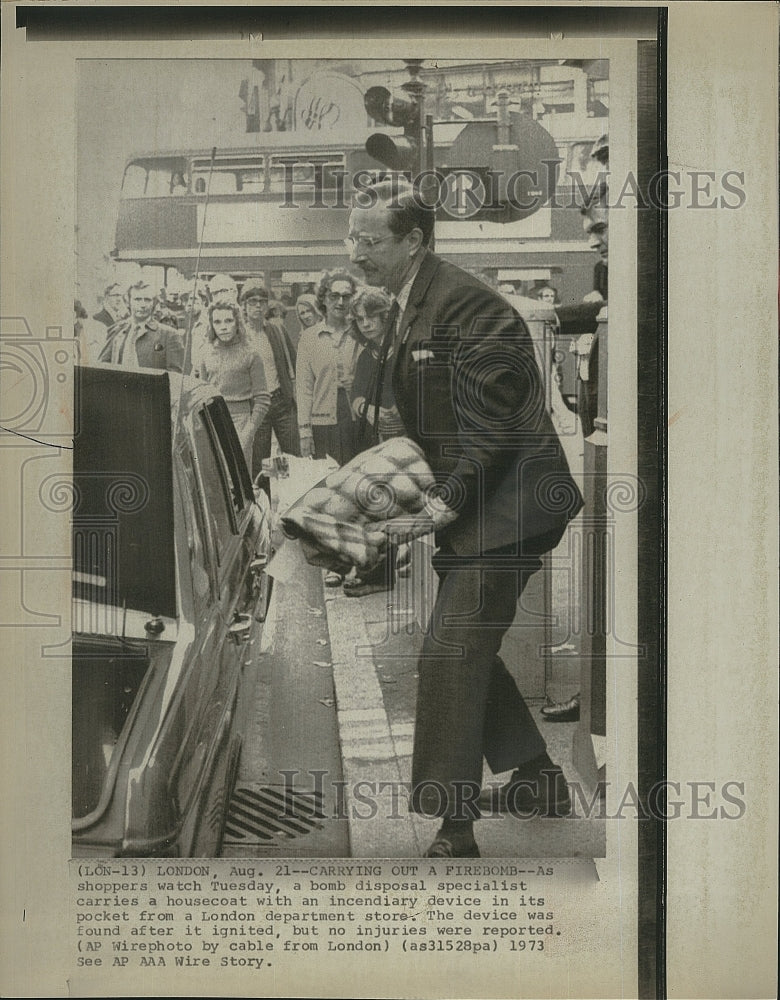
(368, 747)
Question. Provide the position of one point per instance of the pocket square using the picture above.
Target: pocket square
(423, 355)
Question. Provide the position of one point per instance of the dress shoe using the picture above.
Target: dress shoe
(546, 794)
(563, 711)
(333, 579)
(442, 847)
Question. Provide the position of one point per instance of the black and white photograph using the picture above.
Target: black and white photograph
(394, 273)
(353, 522)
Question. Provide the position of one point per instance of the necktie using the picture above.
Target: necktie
(120, 347)
(379, 381)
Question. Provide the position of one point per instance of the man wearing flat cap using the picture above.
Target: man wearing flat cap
(278, 356)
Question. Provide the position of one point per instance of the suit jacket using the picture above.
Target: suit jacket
(284, 358)
(104, 317)
(581, 318)
(470, 393)
(159, 346)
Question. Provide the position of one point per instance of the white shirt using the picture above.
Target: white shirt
(269, 362)
(126, 346)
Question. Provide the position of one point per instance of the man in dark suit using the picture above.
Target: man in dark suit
(140, 341)
(469, 392)
(114, 307)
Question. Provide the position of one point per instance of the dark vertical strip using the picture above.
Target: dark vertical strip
(228, 21)
(651, 418)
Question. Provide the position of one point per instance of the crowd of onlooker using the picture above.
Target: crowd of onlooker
(299, 371)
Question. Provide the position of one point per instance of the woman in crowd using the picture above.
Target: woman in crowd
(325, 371)
(233, 365)
(307, 311)
(370, 308)
(300, 317)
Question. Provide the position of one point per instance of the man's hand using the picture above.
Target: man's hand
(434, 516)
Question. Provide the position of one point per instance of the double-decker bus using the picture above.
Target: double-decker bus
(278, 210)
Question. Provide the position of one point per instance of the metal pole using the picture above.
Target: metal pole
(503, 118)
(429, 161)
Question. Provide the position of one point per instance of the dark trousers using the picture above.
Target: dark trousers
(282, 419)
(468, 705)
(336, 440)
(384, 571)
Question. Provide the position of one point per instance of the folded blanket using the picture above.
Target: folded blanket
(343, 521)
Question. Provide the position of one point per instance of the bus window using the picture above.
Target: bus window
(158, 183)
(155, 178)
(230, 175)
(222, 182)
(250, 181)
(134, 183)
(303, 172)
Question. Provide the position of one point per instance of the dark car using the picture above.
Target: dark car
(170, 543)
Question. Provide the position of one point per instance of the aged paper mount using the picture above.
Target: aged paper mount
(722, 528)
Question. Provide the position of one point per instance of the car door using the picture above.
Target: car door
(224, 501)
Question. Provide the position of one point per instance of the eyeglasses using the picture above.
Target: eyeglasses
(344, 296)
(364, 242)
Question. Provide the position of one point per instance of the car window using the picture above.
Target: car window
(196, 532)
(216, 493)
(227, 440)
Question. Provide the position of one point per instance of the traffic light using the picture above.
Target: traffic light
(402, 108)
